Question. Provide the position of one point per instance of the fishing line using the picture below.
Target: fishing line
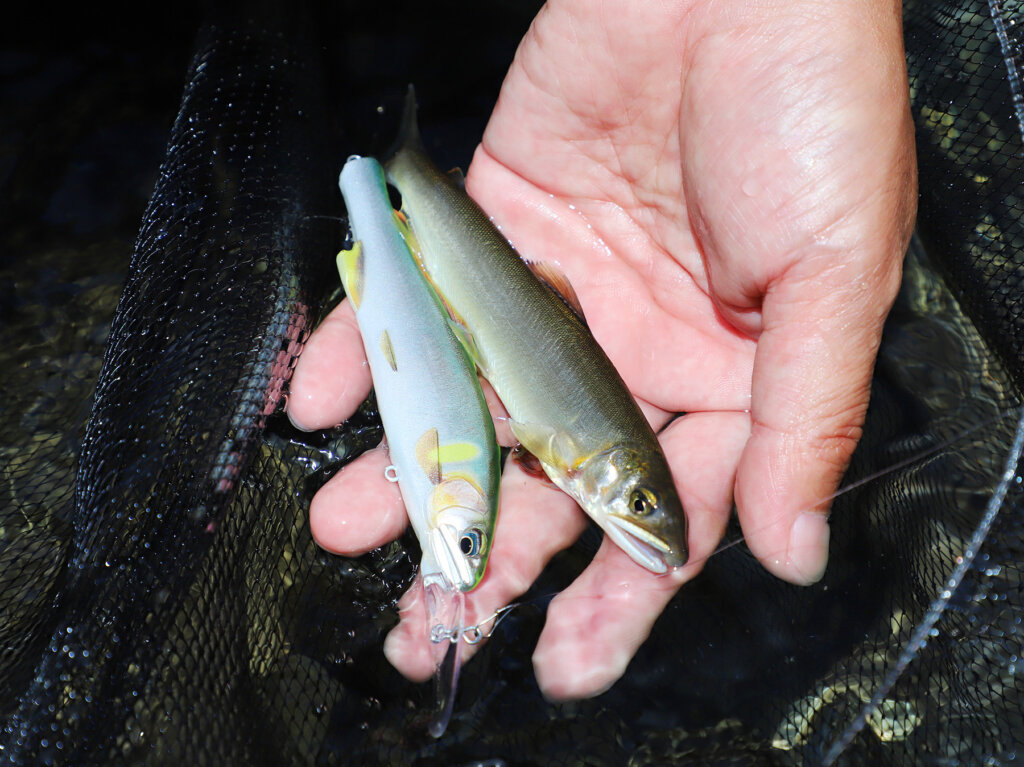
(924, 629)
(902, 464)
(476, 633)
(339, 219)
(473, 635)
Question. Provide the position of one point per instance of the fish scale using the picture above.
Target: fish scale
(567, 402)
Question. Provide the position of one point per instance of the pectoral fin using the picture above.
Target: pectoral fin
(552, 448)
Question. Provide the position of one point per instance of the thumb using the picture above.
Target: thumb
(810, 391)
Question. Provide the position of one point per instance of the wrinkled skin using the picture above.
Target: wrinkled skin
(730, 187)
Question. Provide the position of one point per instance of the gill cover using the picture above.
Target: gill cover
(458, 537)
(640, 507)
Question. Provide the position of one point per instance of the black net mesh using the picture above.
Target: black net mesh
(161, 599)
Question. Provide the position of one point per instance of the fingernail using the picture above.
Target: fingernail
(393, 648)
(295, 423)
(569, 679)
(808, 547)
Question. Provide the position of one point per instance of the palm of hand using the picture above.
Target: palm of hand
(732, 216)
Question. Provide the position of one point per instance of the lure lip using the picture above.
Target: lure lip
(446, 607)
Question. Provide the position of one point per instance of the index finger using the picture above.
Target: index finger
(332, 377)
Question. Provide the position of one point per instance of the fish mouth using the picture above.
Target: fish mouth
(444, 543)
(643, 547)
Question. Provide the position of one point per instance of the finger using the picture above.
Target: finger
(810, 393)
(502, 429)
(408, 646)
(331, 378)
(358, 510)
(703, 451)
(536, 521)
(596, 625)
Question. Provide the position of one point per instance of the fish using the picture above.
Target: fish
(567, 403)
(439, 431)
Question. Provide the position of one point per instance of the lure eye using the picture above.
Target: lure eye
(642, 502)
(469, 543)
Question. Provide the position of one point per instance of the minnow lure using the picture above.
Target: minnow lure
(440, 434)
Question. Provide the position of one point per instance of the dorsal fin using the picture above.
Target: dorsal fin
(458, 177)
(408, 129)
(551, 276)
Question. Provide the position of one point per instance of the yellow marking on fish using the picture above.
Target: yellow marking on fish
(388, 350)
(350, 267)
(456, 452)
(428, 455)
(552, 448)
(405, 229)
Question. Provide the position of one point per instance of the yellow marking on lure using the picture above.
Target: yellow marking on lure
(456, 452)
(388, 350)
(428, 455)
(350, 267)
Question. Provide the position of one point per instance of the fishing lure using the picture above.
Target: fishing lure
(440, 434)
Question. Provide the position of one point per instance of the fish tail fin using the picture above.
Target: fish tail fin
(408, 129)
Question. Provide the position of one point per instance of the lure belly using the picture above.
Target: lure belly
(440, 435)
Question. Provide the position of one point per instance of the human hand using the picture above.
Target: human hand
(730, 188)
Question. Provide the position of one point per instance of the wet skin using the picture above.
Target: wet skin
(730, 188)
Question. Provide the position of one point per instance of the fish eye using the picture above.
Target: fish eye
(642, 502)
(470, 543)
